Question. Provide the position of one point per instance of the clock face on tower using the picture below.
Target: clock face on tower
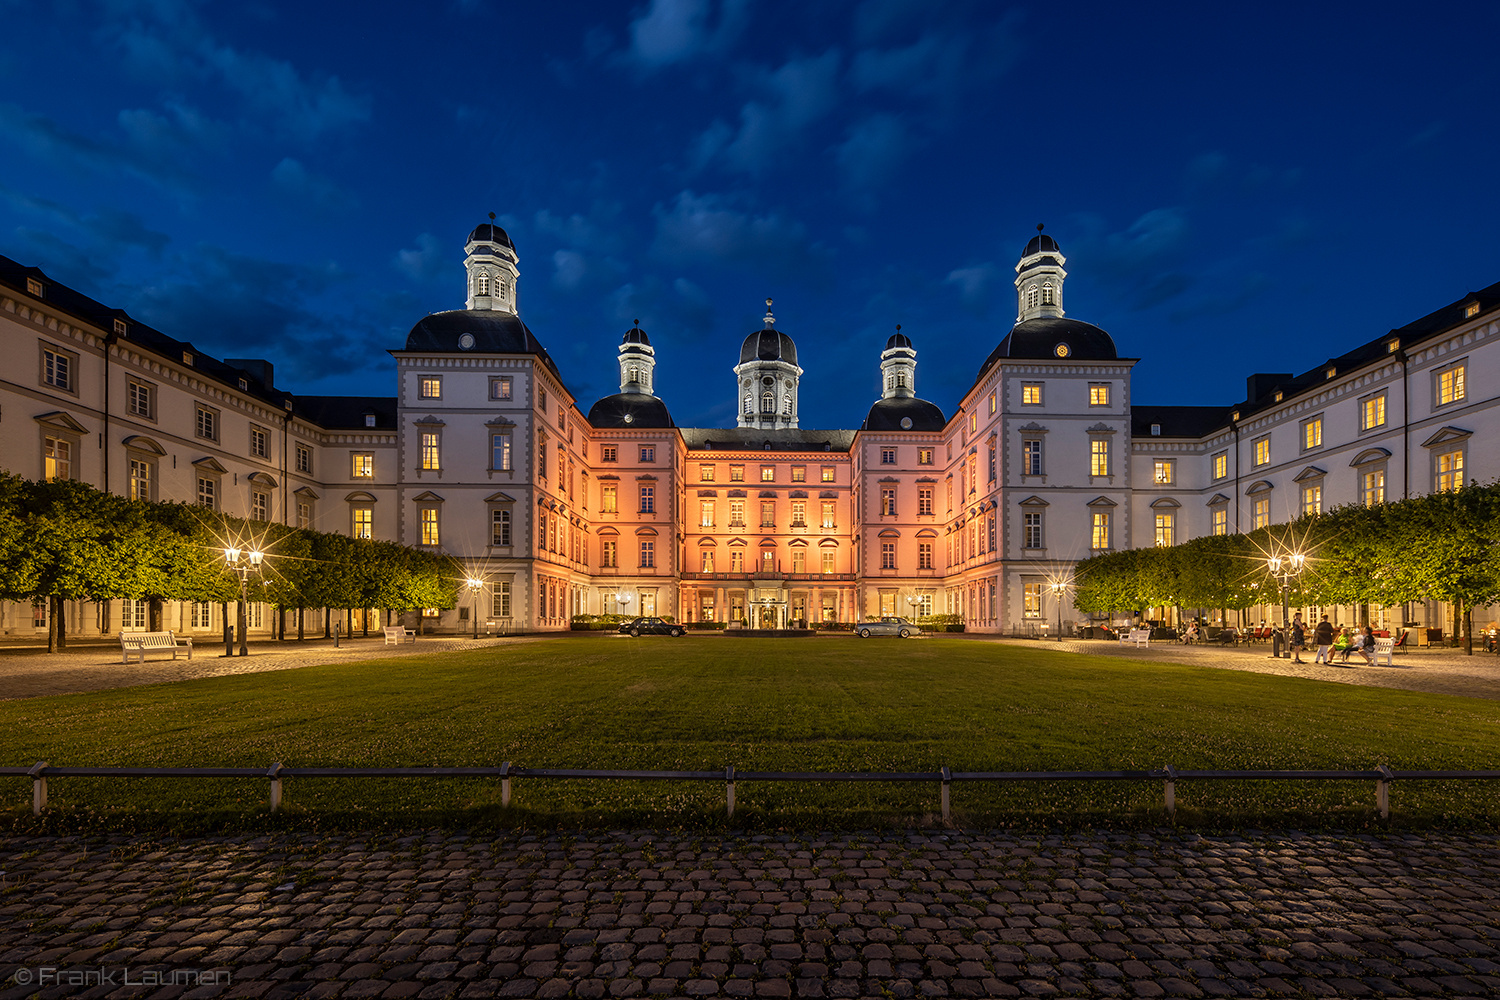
(1061, 350)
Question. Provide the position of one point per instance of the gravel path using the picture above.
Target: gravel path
(637, 914)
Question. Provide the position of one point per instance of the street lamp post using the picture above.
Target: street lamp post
(623, 600)
(1283, 568)
(475, 586)
(241, 562)
(1058, 589)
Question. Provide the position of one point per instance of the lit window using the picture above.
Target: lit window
(1372, 411)
(57, 459)
(706, 473)
(827, 473)
(924, 500)
(363, 522)
(140, 480)
(1099, 457)
(1221, 465)
(1450, 385)
(1164, 524)
(609, 499)
(1221, 520)
(1162, 471)
(648, 499)
(799, 473)
(768, 473)
(1031, 600)
(1471, 310)
(828, 515)
(799, 513)
(768, 513)
(1450, 471)
(706, 559)
(430, 526)
(1098, 393)
(736, 513)
(208, 423)
(1031, 394)
(887, 500)
(1263, 451)
(138, 399)
(1031, 457)
(705, 513)
(500, 387)
(501, 454)
(993, 403)
(736, 473)
(1031, 536)
(1312, 499)
(431, 451)
(828, 566)
(431, 387)
(1312, 433)
(1373, 487)
(1100, 539)
(1261, 511)
(924, 456)
(35, 287)
(363, 465)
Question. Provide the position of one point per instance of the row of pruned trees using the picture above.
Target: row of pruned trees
(65, 541)
(1443, 546)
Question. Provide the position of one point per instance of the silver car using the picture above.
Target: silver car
(886, 626)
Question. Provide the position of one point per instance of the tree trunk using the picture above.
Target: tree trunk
(1468, 625)
(364, 618)
(153, 615)
(327, 623)
(52, 603)
(299, 624)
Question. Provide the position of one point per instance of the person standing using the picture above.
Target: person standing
(1298, 638)
(1323, 636)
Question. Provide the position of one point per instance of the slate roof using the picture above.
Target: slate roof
(755, 439)
(630, 409)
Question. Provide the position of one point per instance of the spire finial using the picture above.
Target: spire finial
(898, 327)
(637, 322)
(492, 217)
(769, 318)
(1039, 226)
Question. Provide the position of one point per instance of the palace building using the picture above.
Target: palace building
(564, 506)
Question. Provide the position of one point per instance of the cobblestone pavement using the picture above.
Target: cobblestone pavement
(645, 914)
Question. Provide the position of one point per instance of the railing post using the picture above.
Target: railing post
(947, 778)
(38, 787)
(1171, 792)
(1383, 791)
(275, 775)
(505, 785)
(729, 790)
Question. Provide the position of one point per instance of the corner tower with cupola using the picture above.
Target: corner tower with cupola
(767, 377)
(1039, 279)
(490, 260)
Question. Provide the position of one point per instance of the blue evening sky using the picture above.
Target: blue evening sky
(1237, 188)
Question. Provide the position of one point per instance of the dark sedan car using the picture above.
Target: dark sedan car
(651, 626)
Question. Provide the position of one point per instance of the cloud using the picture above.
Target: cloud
(709, 229)
(569, 268)
(112, 230)
(874, 151)
(424, 262)
(976, 284)
(954, 50)
(792, 97)
(291, 178)
(1147, 263)
(674, 31)
(50, 142)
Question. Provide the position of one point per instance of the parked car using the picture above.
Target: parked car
(886, 625)
(651, 626)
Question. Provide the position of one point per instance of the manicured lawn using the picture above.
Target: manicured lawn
(703, 702)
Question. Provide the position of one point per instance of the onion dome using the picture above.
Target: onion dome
(897, 339)
(768, 345)
(630, 409)
(635, 335)
(904, 413)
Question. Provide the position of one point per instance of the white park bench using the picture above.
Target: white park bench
(1139, 636)
(1384, 647)
(394, 634)
(139, 642)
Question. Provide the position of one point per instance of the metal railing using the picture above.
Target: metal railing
(1382, 775)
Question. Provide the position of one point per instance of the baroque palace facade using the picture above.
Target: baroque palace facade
(486, 455)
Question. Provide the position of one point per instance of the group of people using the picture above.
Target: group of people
(1330, 640)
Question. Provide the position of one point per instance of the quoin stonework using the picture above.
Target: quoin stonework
(564, 506)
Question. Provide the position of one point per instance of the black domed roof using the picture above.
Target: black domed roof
(1040, 338)
(488, 232)
(768, 345)
(904, 413)
(1041, 243)
(492, 333)
(635, 335)
(630, 409)
(898, 339)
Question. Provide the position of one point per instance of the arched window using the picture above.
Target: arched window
(901, 380)
(749, 405)
(786, 406)
(484, 285)
(1047, 294)
(634, 374)
(1031, 295)
(768, 402)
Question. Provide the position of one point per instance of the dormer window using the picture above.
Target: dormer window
(1279, 395)
(1393, 345)
(35, 287)
(187, 357)
(369, 420)
(1471, 310)
(244, 385)
(121, 327)
(1156, 430)
(1331, 372)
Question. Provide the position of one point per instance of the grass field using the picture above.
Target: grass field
(703, 702)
